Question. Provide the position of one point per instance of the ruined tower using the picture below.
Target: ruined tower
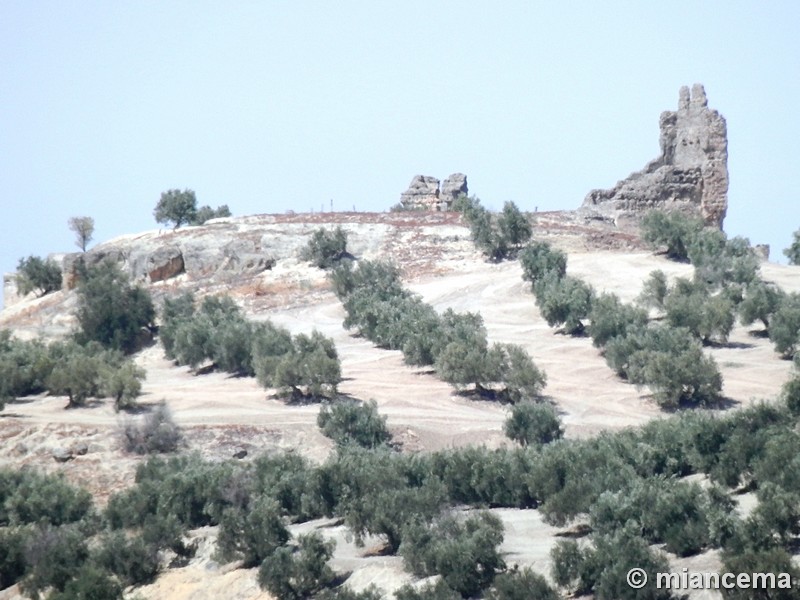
(691, 175)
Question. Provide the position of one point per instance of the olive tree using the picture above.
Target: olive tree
(177, 207)
(793, 251)
(83, 227)
(514, 225)
(784, 331)
(326, 248)
(565, 301)
(533, 424)
(297, 573)
(111, 311)
(539, 258)
(353, 422)
(672, 231)
(37, 274)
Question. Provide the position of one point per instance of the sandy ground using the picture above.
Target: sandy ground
(221, 414)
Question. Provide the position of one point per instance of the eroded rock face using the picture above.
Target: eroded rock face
(691, 174)
(453, 187)
(165, 263)
(423, 192)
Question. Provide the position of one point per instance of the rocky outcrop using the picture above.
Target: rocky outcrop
(453, 187)
(691, 174)
(71, 263)
(165, 263)
(423, 192)
(197, 252)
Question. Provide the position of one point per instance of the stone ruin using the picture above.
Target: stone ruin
(691, 175)
(424, 193)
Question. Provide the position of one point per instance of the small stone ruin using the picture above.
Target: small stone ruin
(425, 193)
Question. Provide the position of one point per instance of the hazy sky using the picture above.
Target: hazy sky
(277, 105)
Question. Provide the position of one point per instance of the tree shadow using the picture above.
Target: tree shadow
(421, 372)
(575, 532)
(758, 333)
(730, 345)
(138, 408)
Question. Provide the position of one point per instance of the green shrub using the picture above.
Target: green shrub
(481, 477)
(567, 566)
(90, 583)
(375, 495)
(291, 481)
(37, 274)
(462, 365)
(270, 344)
(382, 277)
(432, 591)
(123, 384)
(670, 362)
(76, 376)
(539, 258)
(35, 498)
(253, 533)
(13, 565)
(487, 237)
(157, 433)
(110, 310)
(654, 290)
(54, 555)
(793, 251)
(533, 424)
(677, 377)
(131, 559)
(326, 248)
(759, 303)
(521, 584)
(174, 313)
(665, 510)
(24, 366)
(514, 226)
(671, 230)
(182, 488)
(772, 560)
(610, 318)
(784, 331)
(312, 369)
(297, 574)
(206, 213)
(463, 551)
(520, 379)
(791, 395)
(84, 371)
(719, 261)
(354, 422)
(497, 239)
(345, 593)
(689, 304)
(602, 568)
(564, 301)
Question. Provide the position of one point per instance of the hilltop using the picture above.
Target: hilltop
(222, 415)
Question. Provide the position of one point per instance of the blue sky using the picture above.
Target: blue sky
(276, 105)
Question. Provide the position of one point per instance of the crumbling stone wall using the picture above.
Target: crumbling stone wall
(691, 174)
(424, 193)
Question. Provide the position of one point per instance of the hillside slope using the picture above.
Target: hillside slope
(222, 414)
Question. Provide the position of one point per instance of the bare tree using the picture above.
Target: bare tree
(83, 228)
